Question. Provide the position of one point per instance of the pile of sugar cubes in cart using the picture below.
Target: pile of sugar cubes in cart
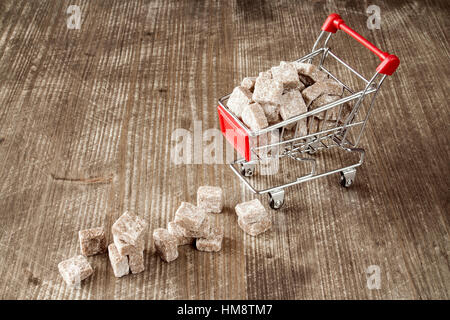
(283, 92)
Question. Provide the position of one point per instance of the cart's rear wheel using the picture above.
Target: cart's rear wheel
(347, 178)
(275, 204)
(276, 199)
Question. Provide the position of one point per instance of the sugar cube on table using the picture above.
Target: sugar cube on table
(257, 227)
(267, 91)
(239, 99)
(292, 104)
(180, 233)
(210, 198)
(92, 241)
(253, 116)
(287, 75)
(130, 229)
(166, 244)
(190, 217)
(119, 263)
(75, 270)
(249, 83)
(272, 112)
(251, 211)
(136, 261)
(212, 243)
(125, 248)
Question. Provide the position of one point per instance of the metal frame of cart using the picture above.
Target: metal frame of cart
(344, 133)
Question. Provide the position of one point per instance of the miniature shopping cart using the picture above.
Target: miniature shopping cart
(343, 131)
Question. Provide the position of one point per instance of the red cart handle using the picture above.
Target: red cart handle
(389, 62)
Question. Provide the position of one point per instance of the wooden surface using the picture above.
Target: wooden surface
(86, 118)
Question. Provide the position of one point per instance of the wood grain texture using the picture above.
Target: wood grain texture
(86, 118)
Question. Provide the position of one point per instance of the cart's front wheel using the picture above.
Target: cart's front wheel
(347, 178)
(276, 199)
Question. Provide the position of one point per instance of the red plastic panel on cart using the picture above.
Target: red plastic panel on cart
(234, 133)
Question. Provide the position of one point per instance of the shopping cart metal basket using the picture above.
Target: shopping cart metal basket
(342, 130)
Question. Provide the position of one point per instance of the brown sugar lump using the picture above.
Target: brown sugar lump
(180, 233)
(239, 99)
(92, 241)
(75, 270)
(255, 228)
(292, 104)
(328, 86)
(166, 244)
(249, 83)
(212, 243)
(267, 91)
(129, 228)
(253, 116)
(313, 92)
(251, 211)
(287, 75)
(190, 217)
(119, 263)
(272, 112)
(210, 198)
(332, 87)
(308, 70)
(265, 74)
(339, 111)
(136, 261)
(125, 248)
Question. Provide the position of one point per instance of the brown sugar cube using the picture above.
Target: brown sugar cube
(313, 92)
(129, 228)
(136, 261)
(210, 198)
(257, 227)
(267, 91)
(166, 244)
(249, 83)
(92, 241)
(307, 81)
(340, 111)
(292, 104)
(311, 71)
(190, 217)
(239, 99)
(119, 263)
(180, 233)
(212, 243)
(251, 211)
(287, 75)
(332, 87)
(272, 112)
(125, 248)
(265, 74)
(328, 86)
(253, 116)
(75, 270)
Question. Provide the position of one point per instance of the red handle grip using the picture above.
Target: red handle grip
(389, 62)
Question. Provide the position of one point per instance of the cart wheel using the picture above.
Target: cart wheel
(276, 199)
(247, 170)
(276, 204)
(347, 178)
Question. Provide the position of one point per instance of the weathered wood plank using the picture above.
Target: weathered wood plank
(85, 133)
